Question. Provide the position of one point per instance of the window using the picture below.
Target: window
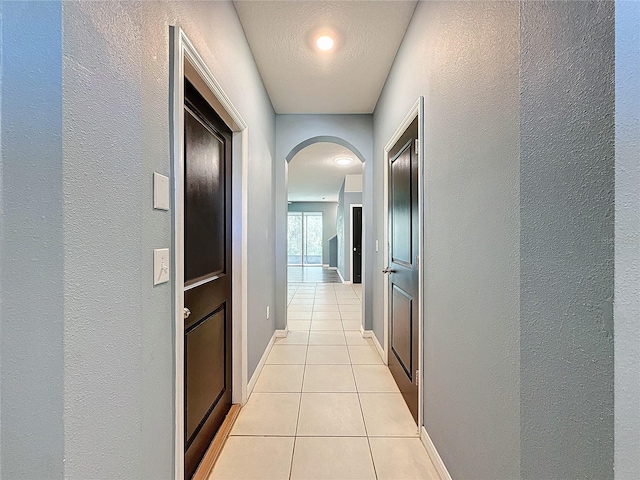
(304, 245)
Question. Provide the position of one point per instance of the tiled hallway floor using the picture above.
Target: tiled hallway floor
(312, 275)
(325, 406)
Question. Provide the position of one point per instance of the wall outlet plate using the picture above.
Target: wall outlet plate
(160, 192)
(160, 266)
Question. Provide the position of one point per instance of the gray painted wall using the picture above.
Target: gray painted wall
(519, 232)
(31, 242)
(122, 81)
(329, 212)
(627, 243)
(104, 404)
(464, 58)
(291, 130)
(96, 388)
(566, 246)
(333, 251)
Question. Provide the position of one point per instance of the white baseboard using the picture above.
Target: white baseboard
(263, 359)
(434, 455)
(282, 333)
(340, 275)
(371, 335)
(325, 265)
(376, 343)
(333, 268)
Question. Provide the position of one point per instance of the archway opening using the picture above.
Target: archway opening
(324, 212)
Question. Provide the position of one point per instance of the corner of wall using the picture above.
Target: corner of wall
(627, 243)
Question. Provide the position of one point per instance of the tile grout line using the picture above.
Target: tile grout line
(364, 423)
(373, 463)
(346, 344)
(295, 433)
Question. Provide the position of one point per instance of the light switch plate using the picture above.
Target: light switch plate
(160, 192)
(160, 265)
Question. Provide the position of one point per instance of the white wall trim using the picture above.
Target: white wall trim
(434, 455)
(345, 282)
(416, 111)
(376, 343)
(185, 61)
(263, 359)
(282, 333)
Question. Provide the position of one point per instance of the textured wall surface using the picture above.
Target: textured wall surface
(291, 131)
(31, 242)
(519, 230)
(118, 327)
(340, 229)
(567, 222)
(463, 57)
(329, 212)
(627, 244)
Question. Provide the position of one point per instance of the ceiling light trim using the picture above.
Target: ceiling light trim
(325, 43)
(343, 161)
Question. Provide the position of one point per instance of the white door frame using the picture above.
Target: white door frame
(185, 61)
(416, 111)
(351, 240)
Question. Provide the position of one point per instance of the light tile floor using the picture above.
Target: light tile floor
(325, 406)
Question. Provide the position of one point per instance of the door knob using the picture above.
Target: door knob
(186, 312)
(388, 270)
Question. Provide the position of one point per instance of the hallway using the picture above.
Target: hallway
(300, 274)
(528, 224)
(325, 406)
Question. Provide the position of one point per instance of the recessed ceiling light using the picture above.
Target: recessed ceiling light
(325, 42)
(343, 160)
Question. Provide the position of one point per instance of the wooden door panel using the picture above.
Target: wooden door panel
(401, 329)
(205, 194)
(401, 207)
(207, 258)
(206, 298)
(403, 278)
(205, 368)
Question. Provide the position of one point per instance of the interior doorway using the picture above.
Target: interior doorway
(404, 259)
(324, 184)
(356, 244)
(207, 275)
(402, 272)
(209, 203)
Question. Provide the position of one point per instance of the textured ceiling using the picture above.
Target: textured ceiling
(301, 79)
(315, 177)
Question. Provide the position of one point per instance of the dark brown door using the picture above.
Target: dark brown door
(207, 275)
(356, 228)
(403, 266)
